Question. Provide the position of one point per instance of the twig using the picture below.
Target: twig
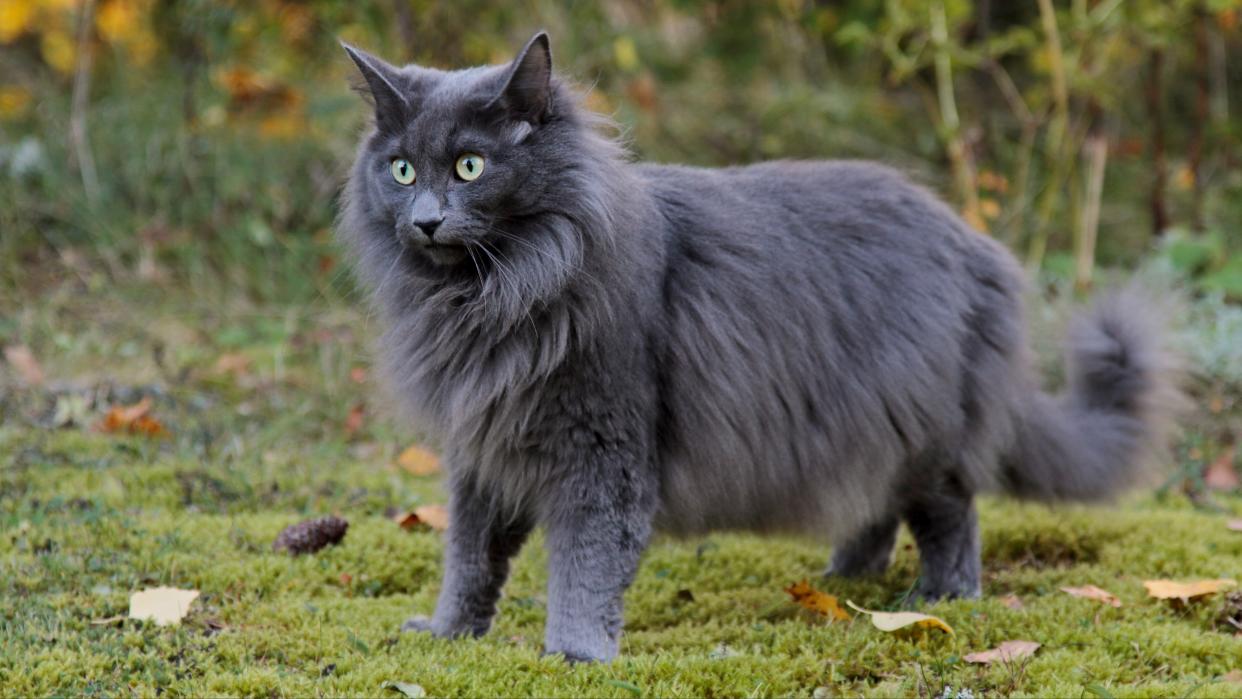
(78, 135)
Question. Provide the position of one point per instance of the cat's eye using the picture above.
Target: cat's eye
(470, 166)
(402, 171)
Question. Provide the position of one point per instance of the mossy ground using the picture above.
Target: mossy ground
(87, 518)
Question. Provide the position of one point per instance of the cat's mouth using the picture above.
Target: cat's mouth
(445, 254)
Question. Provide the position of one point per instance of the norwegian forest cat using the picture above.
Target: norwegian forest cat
(608, 349)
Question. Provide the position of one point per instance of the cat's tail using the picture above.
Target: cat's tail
(1113, 421)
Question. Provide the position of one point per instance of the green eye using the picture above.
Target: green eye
(470, 166)
(403, 171)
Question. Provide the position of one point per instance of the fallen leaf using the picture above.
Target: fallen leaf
(164, 605)
(358, 375)
(1093, 592)
(1169, 589)
(434, 516)
(134, 419)
(1234, 525)
(1006, 652)
(345, 579)
(1013, 602)
(627, 686)
(235, 364)
(354, 420)
(821, 603)
(419, 461)
(409, 689)
(24, 363)
(896, 621)
(1220, 474)
(1232, 676)
(108, 620)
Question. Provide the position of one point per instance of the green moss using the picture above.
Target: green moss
(87, 518)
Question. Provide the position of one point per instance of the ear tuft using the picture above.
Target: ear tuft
(392, 109)
(527, 93)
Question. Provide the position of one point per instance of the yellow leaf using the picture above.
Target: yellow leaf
(117, 21)
(625, 53)
(13, 100)
(58, 50)
(1093, 592)
(15, 19)
(1169, 589)
(419, 461)
(819, 602)
(896, 621)
(164, 605)
(1006, 652)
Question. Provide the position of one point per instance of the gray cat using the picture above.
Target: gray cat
(606, 349)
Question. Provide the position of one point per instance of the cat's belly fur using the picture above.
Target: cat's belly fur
(827, 324)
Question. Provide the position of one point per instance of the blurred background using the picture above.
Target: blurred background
(191, 141)
(173, 166)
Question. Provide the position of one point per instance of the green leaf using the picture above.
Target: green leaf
(409, 689)
(1098, 691)
(627, 686)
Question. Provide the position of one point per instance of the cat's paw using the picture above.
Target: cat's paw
(417, 624)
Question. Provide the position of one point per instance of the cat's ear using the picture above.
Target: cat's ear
(392, 109)
(527, 91)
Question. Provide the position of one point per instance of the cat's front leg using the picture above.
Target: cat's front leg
(597, 528)
(482, 536)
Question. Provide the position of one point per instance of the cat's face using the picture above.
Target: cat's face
(458, 159)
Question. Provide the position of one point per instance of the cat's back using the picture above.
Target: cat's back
(834, 299)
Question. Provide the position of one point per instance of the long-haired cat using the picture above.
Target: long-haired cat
(607, 349)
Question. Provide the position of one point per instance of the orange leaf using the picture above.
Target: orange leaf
(433, 516)
(1169, 589)
(358, 375)
(1093, 592)
(1006, 652)
(821, 603)
(355, 420)
(134, 419)
(419, 461)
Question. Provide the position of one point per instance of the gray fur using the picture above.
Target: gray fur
(610, 349)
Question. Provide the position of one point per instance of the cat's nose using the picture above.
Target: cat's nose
(429, 225)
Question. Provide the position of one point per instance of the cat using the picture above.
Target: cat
(607, 349)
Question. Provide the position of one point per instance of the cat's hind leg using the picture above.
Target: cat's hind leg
(867, 552)
(945, 526)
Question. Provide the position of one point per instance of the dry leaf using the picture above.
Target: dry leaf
(434, 516)
(1169, 589)
(108, 620)
(1234, 525)
(1006, 652)
(134, 419)
(164, 605)
(235, 364)
(354, 420)
(1220, 474)
(1234, 676)
(821, 603)
(419, 461)
(24, 363)
(1012, 601)
(896, 621)
(358, 375)
(1095, 593)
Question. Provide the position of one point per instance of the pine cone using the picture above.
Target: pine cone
(311, 535)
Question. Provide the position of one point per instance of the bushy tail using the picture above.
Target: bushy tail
(1113, 421)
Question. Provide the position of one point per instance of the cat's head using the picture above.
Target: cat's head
(473, 174)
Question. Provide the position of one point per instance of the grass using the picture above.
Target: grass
(87, 518)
